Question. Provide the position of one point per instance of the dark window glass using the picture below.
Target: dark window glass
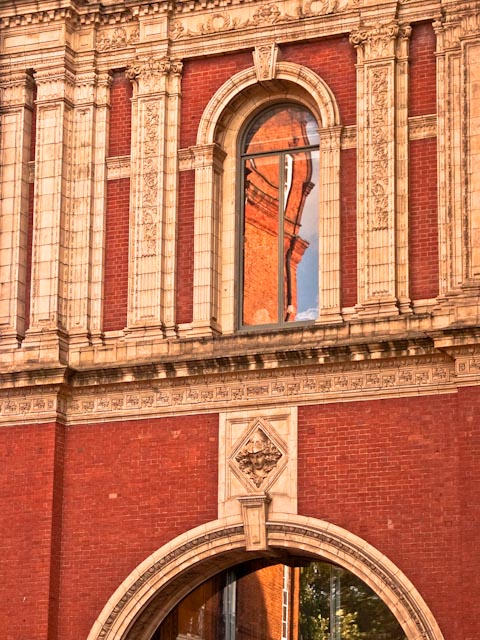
(279, 261)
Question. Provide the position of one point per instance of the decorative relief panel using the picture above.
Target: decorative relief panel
(267, 14)
(257, 458)
(119, 38)
(303, 385)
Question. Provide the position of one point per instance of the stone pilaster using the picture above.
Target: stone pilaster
(329, 221)
(208, 164)
(376, 71)
(458, 55)
(15, 142)
(99, 198)
(170, 199)
(55, 90)
(401, 170)
(152, 240)
(78, 218)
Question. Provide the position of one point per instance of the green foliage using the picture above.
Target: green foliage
(359, 613)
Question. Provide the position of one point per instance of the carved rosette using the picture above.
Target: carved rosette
(259, 457)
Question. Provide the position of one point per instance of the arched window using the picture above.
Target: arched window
(259, 600)
(279, 261)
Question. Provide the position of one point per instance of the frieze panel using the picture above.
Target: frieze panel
(221, 392)
(267, 14)
(118, 38)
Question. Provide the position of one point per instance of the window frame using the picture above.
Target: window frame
(241, 157)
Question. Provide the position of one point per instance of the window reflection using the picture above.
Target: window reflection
(262, 601)
(280, 218)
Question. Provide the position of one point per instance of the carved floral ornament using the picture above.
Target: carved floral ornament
(259, 457)
(267, 14)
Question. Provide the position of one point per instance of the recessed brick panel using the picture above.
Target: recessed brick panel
(120, 115)
(422, 73)
(116, 255)
(423, 243)
(186, 205)
(348, 227)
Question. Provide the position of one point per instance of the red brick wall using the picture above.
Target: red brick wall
(115, 299)
(422, 86)
(116, 255)
(120, 126)
(186, 203)
(348, 227)
(129, 488)
(333, 59)
(391, 471)
(423, 229)
(30, 493)
(200, 79)
(469, 498)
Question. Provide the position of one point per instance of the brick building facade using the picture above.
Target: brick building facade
(152, 433)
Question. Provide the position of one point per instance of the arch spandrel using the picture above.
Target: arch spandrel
(312, 90)
(151, 591)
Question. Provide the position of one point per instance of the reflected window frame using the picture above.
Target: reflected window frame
(285, 155)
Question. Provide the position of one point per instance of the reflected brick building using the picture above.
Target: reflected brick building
(206, 360)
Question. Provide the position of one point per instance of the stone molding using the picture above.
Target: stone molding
(118, 167)
(201, 552)
(157, 396)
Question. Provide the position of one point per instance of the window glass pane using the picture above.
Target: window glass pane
(300, 236)
(282, 127)
(260, 240)
(324, 602)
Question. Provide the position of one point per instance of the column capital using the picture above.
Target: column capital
(375, 41)
(150, 73)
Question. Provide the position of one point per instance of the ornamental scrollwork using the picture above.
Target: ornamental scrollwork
(119, 39)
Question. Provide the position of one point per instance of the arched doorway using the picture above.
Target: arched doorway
(150, 593)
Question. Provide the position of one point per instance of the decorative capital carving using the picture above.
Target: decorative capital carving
(207, 155)
(265, 60)
(150, 73)
(17, 89)
(54, 84)
(375, 41)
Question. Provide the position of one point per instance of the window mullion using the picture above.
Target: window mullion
(281, 224)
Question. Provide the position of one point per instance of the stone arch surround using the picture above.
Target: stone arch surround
(151, 591)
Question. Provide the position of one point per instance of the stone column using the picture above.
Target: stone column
(55, 88)
(376, 70)
(208, 165)
(152, 253)
(15, 142)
